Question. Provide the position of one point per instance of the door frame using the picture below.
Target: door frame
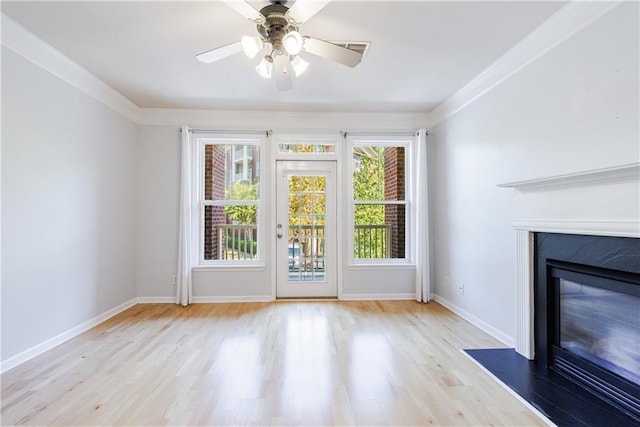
(308, 167)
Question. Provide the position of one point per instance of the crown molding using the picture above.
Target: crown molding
(32, 48)
(563, 24)
(248, 119)
(567, 21)
(29, 46)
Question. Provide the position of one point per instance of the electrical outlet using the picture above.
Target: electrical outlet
(461, 288)
(446, 281)
(175, 280)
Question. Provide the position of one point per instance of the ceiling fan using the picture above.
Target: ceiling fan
(277, 27)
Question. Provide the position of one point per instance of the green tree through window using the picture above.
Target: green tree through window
(241, 190)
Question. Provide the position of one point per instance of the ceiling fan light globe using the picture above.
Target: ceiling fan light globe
(299, 65)
(292, 42)
(265, 67)
(251, 46)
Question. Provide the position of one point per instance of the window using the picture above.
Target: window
(230, 201)
(379, 210)
(302, 148)
(304, 145)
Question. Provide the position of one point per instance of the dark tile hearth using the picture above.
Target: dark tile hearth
(562, 401)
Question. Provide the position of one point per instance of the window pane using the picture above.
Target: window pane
(378, 173)
(231, 172)
(307, 148)
(230, 232)
(379, 231)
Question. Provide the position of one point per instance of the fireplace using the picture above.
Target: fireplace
(587, 313)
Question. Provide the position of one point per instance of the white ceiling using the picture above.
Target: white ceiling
(421, 52)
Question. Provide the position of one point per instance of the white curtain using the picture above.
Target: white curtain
(186, 252)
(421, 212)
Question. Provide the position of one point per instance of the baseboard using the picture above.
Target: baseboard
(37, 350)
(218, 299)
(378, 297)
(156, 300)
(497, 334)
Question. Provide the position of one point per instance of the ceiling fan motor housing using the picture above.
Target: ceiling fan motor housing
(276, 24)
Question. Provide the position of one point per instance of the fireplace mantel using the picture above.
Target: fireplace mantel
(621, 173)
(623, 225)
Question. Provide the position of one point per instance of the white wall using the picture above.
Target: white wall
(573, 109)
(158, 206)
(157, 237)
(68, 199)
(159, 169)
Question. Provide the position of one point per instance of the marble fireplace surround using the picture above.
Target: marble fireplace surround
(587, 187)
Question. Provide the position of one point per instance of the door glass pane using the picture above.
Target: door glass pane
(306, 241)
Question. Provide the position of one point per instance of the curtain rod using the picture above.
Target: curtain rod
(345, 133)
(230, 132)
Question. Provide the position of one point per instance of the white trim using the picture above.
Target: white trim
(47, 345)
(384, 264)
(596, 228)
(199, 141)
(318, 138)
(524, 262)
(524, 294)
(305, 122)
(156, 300)
(229, 299)
(249, 266)
(34, 49)
(475, 321)
(555, 30)
(378, 297)
(510, 390)
(384, 139)
(620, 173)
(526, 227)
(341, 235)
(286, 288)
(380, 202)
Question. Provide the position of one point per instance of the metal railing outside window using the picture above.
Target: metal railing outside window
(238, 241)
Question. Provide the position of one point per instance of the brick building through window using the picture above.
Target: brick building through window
(225, 166)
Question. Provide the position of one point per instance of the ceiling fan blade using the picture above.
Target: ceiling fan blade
(283, 73)
(302, 10)
(219, 53)
(331, 51)
(245, 9)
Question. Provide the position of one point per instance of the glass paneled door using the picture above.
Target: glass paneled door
(306, 229)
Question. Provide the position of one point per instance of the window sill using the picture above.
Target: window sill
(374, 266)
(229, 267)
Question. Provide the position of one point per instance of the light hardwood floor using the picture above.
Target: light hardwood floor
(282, 363)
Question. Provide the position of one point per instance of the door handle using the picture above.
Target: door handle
(279, 235)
